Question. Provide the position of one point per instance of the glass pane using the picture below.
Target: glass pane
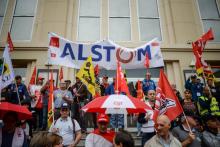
(89, 8)
(208, 9)
(22, 28)
(89, 29)
(1, 22)
(3, 4)
(119, 29)
(215, 25)
(149, 29)
(147, 8)
(119, 8)
(25, 7)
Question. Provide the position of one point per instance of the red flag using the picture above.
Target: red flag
(50, 101)
(61, 73)
(198, 47)
(121, 84)
(140, 93)
(166, 101)
(147, 61)
(96, 69)
(54, 41)
(10, 44)
(33, 77)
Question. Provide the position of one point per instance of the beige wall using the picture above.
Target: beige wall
(180, 23)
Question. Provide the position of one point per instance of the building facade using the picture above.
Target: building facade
(129, 23)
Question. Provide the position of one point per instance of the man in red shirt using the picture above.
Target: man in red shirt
(100, 137)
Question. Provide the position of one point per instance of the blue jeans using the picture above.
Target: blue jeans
(45, 111)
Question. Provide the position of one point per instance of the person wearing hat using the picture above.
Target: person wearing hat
(37, 102)
(67, 127)
(195, 87)
(61, 95)
(101, 137)
(19, 88)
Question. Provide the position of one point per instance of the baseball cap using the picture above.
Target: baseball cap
(64, 105)
(102, 118)
(193, 76)
(40, 78)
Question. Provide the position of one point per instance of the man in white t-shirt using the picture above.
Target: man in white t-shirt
(100, 137)
(67, 127)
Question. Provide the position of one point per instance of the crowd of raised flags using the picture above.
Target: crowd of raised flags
(166, 100)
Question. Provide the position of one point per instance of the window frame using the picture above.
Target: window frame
(3, 17)
(208, 19)
(34, 18)
(159, 18)
(78, 21)
(129, 2)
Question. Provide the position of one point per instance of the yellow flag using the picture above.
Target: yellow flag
(87, 76)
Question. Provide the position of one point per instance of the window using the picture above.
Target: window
(23, 20)
(89, 20)
(210, 15)
(119, 20)
(3, 4)
(149, 21)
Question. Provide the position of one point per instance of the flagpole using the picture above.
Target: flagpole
(1, 81)
(190, 130)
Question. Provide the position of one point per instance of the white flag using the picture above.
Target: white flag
(7, 76)
(105, 53)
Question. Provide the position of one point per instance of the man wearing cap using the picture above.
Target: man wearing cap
(100, 137)
(67, 127)
(20, 88)
(148, 83)
(194, 87)
(61, 96)
(36, 101)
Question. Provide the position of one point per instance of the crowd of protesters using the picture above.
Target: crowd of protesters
(199, 126)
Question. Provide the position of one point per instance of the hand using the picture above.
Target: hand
(55, 130)
(147, 117)
(191, 137)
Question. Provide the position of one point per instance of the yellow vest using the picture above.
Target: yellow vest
(213, 107)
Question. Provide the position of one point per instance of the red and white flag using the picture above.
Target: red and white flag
(33, 77)
(121, 84)
(198, 48)
(166, 101)
(61, 73)
(10, 44)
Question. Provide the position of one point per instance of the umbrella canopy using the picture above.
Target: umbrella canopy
(116, 104)
(22, 111)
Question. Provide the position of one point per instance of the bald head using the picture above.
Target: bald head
(163, 126)
(163, 118)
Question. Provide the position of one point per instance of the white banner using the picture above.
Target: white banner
(104, 53)
(8, 72)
